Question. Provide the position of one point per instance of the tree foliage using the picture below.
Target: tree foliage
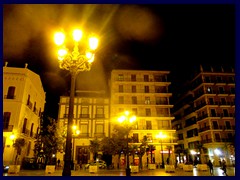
(18, 144)
(49, 140)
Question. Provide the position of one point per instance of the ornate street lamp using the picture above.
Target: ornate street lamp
(74, 62)
(161, 137)
(126, 120)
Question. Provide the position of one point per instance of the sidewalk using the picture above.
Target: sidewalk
(121, 172)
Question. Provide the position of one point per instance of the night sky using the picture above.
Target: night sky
(149, 37)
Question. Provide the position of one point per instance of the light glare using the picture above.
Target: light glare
(59, 38)
(93, 43)
(77, 34)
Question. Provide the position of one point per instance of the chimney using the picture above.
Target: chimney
(26, 64)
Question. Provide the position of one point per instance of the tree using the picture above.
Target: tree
(108, 147)
(169, 148)
(179, 150)
(94, 147)
(18, 145)
(50, 140)
(142, 150)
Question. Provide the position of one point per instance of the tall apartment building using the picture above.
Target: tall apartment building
(23, 103)
(145, 94)
(91, 116)
(205, 115)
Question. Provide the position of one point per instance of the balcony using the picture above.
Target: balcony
(84, 116)
(8, 128)
(99, 115)
(83, 135)
(100, 135)
(202, 117)
(9, 97)
(206, 141)
(204, 129)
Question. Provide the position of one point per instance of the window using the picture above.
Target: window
(147, 100)
(84, 129)
(225, 113)
(99, 128)
(148, 125)
(180, 136)
(85, 112)
(211, 102)
(120, 100)
(219, 79)
(149, 137)
(135, 137)
(159, 78)
(228, 125)
(11, 91)
(207, 79)
(134, 110)
(215, 125)
(217, 137)
(221, 90)
(24, 125)
(133, 77)
(232, 90)
(163, 124)
(213, 113)
(223, 101)
(148, 112)
(120, 88)
(146, 89)
(120, 77)
(231, 79)
(134, 89)
(146, 78)
(162, 112)
(34, 107)
(161, 100)
(31, 131)
(6, 119)
(100, 112)
(134, 100)
(28, 148)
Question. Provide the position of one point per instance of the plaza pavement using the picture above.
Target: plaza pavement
(121, 172)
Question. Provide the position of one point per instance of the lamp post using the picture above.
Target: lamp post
(161, 136)
(126, 120)
(74, 62)
(76, 132)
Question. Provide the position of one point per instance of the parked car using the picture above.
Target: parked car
(29, 163)
(101, 164)
(5, 168)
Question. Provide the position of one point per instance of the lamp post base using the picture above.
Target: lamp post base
(162, 164)
(128, 172)
(66, 173)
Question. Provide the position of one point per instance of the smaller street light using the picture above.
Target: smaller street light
(161, 137)
(126, 120)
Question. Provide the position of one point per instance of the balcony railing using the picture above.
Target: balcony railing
(84, 116)
(99, 115)
(9, 97)
(204, 129)
(9, 128)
